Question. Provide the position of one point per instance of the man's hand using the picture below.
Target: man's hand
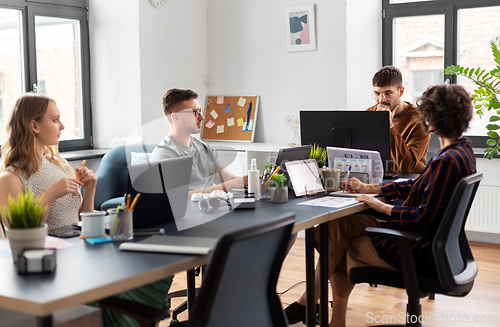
(384, 107)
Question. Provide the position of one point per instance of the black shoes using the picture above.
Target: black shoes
(297, 312)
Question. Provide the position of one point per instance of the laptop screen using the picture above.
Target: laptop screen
(164, 188)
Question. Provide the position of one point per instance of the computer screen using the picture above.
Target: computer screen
(365, 130)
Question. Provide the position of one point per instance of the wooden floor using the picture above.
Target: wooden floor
(369, 305)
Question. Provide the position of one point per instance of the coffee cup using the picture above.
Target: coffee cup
(92, 223)
(331, 177)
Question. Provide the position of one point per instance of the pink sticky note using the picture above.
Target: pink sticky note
(210, 124)
(220, 100)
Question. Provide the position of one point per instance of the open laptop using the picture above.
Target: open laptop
(164, 188)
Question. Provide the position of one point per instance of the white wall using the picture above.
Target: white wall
(138, 52)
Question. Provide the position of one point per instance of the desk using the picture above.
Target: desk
(89, 272)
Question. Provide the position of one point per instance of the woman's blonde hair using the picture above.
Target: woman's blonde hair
(19, 150)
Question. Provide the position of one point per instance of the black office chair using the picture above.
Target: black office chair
(456, 268)
(239, 286)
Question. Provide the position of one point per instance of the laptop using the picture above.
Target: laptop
(164, 188)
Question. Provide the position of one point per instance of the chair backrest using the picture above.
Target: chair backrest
(112, 174)
(454, 261)
(239, 288)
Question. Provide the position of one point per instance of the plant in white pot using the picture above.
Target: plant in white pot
(23, 218)
(279, 188)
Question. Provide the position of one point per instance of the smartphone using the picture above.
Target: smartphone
(63, 232)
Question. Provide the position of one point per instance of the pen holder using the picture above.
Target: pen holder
(122, 228)
(265, 193)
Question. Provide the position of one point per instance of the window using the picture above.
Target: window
(44, 48)
(423, 37)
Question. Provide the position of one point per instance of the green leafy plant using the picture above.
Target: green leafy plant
(23, 212)
(279, 180)
(486, 96)
(268, 167)
(319, 154)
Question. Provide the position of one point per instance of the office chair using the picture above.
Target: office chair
(112, 175)
(456, 268)
(239, 286)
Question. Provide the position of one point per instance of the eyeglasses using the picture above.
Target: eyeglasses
(387, 94)
(196, 112)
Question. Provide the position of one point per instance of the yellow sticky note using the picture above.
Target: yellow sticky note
(240, 122)
(242, 101)
(230, 121)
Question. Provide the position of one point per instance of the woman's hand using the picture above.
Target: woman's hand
(86, 177)
(354, 185)
(375, 204)
(64, 186)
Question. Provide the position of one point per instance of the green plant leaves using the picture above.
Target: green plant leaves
(24, 211)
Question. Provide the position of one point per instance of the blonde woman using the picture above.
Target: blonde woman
(31, 160)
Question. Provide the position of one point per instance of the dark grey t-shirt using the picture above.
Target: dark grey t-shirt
(204, 159)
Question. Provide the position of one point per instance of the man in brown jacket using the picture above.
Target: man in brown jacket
(409, 143)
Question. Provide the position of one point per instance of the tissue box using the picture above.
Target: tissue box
(36, 261)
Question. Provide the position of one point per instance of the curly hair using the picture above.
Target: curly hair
(174, 97)
(445, 110)
(388, 76)
(19, 149)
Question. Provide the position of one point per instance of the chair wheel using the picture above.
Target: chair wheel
(373, 285)
(174, 322)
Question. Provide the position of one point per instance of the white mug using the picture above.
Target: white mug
(92, 223)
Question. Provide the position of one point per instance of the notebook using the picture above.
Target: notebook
(172, 244)
(164, 188)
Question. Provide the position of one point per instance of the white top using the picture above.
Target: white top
(64, 210)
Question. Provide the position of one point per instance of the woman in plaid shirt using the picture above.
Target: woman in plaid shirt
(445, 110)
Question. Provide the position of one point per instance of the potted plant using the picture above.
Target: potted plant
(23, 218)
(319, 154)
(279, 188)
(486, 96)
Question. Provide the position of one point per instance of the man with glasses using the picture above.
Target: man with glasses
(409, 142)
(183, 112)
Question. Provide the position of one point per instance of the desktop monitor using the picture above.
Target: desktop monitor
(364, 130)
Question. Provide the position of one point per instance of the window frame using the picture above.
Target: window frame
(448, 8)
(69, 9)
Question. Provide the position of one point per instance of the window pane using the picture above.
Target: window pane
(477, 27)
(59, 69)
(419, 52)
(11, 64)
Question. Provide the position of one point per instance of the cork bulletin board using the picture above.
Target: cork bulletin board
(230, 118)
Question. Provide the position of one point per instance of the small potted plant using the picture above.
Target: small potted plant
(23, 218)
(279, 188)
(319, 154)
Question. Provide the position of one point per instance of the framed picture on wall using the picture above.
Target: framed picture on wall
(300, 28)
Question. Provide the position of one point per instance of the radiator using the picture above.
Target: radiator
(484, 215)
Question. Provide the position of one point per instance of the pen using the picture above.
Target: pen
(347, 175)
(128, 202)
(83, 164)
(134, 202)
(269, 181)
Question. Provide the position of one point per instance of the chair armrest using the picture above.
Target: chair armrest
(393, 234)
(142, 313)
(403, 240)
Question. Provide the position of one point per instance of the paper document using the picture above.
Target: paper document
(349, 195)
(330, 202)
